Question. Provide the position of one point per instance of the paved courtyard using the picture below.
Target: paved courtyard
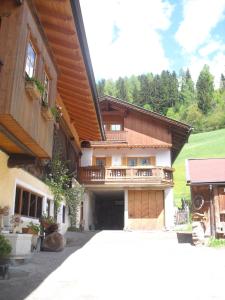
(120, 265)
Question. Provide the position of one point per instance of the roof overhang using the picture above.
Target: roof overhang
(63, 26)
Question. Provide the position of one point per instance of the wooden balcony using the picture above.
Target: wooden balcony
(138, 174)
(119, 136)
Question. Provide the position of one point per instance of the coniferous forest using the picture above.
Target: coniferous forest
(174, 95)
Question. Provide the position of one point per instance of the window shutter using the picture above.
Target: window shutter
(152, 160)
(108, 161)
(93, 160)
(124, 161)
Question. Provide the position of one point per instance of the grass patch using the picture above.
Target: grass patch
(184, 228)
(216, 243)
(201, 145)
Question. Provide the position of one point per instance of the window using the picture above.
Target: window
(100, 161)
(30, 60)
(46, 88)
(131, 161)
(115, 127)
(27, 203)
(63, 214)
(48, 207)
(144, 161)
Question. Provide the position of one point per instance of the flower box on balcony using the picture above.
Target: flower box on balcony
(32, 90)
(46, 113)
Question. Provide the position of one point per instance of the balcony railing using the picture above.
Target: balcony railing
(120, 136)
(139, 174)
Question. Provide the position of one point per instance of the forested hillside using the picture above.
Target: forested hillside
(174, 95)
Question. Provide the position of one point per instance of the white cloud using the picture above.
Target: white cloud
(138, 47)
(199, 18)
(216, 65)
(211, 47)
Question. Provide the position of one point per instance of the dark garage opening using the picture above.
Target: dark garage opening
(109, 210)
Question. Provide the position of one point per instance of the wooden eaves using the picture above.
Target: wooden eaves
(63, 26)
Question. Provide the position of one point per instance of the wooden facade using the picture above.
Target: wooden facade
(206, 178)
(26, 127)
(135, 159)
(146, 209)
(21, 116)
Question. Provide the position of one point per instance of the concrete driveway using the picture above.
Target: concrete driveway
(134, 265)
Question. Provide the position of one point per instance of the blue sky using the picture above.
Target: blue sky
(128, 37)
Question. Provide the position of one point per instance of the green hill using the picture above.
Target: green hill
(200, 145)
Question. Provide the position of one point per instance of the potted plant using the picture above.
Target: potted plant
(46, 221)
(34, 88)
(46, 111)
(32, 229)
(4, 211)
(16, 222)
(57, 114)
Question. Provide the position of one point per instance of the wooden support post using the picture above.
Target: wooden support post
(212, 212)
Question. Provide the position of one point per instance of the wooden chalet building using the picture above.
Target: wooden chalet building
(206, 178)
(42, 42)
(129, 176)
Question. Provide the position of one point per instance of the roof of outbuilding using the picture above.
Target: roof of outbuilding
(207, 170)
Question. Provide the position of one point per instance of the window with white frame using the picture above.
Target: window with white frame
(132, 161)
(28, 203)
(115, 127)
(30, 60)
(144, 161)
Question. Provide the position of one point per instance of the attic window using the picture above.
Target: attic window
(115, 127)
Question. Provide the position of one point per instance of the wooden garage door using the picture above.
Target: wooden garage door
(146, 209)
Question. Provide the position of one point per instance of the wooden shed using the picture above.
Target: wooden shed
(206, 178)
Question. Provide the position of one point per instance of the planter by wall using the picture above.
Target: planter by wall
(32, 90)
(46, 113)
(21, 244)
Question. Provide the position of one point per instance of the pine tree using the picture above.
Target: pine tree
(222, 82)
(110, 88)
(121, 89)
(144, 94)
(100, 87)
(205, 90)
(187, 92)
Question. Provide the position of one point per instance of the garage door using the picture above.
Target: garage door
(146, 209)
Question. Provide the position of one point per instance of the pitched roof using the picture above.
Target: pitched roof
(208, 170)
(180, 131)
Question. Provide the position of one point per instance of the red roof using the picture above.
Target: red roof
(209, 170)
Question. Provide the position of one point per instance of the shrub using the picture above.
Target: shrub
(216, 243)
(5, 247)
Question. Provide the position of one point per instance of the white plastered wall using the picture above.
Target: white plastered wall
(169, 208)
(10, 178)
(162, 155)
(88, 210)
(63, 226)
(86, 158)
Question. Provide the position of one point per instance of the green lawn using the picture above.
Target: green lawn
(200, 145)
